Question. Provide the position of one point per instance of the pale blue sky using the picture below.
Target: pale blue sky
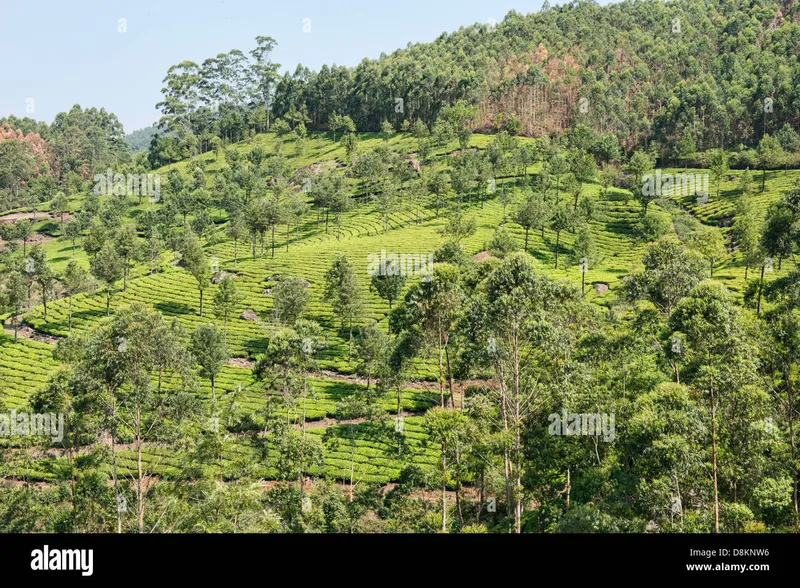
(60, 52)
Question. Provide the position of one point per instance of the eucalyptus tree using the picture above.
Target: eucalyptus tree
(532, 213)
(236, 230)
(76, 280)
(263, 73)
(106, 266)
(290, 298)
(343, 293)
(515, 325)
(120, 361)
(226, 299)
(14, 296)
(209, 350)
(193, 259)
(722, 364)
(446, 427)
(430, 313)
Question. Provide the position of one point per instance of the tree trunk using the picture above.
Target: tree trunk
(114, 465)
(139, 495)
(444, 488)
(760, 289)
(714, 460)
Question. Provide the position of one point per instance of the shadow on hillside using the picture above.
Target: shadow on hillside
(88, 315)
(257, 346)
(173, 308)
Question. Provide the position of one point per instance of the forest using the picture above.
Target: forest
(535, 276)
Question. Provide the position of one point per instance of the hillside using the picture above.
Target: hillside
(306, 315)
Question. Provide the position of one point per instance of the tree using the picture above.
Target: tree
(747, 230)
(73, 231)
(76, 280)
(388, 283)
(151, 250)
(769, 150)
(459, 117)
(717, 337)
(16, 164)
(670, 273)
(115, 367)
(520, 311)
(350, 144)
(343, 294)
(264, 73)
(782, 358)
(194, 260)
(561, 220)
(236, 230)
(125, 244)
(334, 123)
(226, 299)
(289, 300)
(718, 164)
(60, 206)
(445, 427)
(442, 132)
(210, 352)
(533, 213)
(44, 275)
(584, 250)
(430, 313)
(387, 130)
(372, 352)
(15, 294)
(438, 186)
(557, 167)
(710, 244)
(24, 230)
(387, 202)
(640, 164)
(606, 178)
(95, 238)
(107, 267)
(421, 133)
(459, 227)
(686, 148)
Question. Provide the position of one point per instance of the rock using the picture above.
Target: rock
(267, 291)
(221, 276)
(415, 165)
(305, 283)
(250, 315)
(482, 256)
(600, 287)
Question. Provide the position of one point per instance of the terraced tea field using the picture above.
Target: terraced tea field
(371, 449)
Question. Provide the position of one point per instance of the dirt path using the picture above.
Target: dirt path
(330, 422)
(26, 332)
(34, 239)
(17, 216)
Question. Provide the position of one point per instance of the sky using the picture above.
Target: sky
(57, 53)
